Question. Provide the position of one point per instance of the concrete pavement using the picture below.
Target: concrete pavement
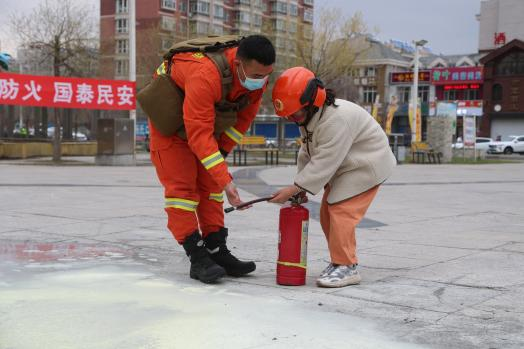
(86, 262)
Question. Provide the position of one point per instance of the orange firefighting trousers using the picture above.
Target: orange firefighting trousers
(192, 198)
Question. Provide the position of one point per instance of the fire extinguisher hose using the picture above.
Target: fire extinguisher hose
(294, 199)
(231, 209)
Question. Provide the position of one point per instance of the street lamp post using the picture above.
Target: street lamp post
(132, 60)
(20, 110)
(414, 92)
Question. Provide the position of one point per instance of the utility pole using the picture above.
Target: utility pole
(132, 62)
(414, 92)
(20, 108)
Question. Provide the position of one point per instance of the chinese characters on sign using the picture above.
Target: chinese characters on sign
(469, 131)
(441, 76)
(407, 77)
(499, 39)
(462, 87)
(59, 92)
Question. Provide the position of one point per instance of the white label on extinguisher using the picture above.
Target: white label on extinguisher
(303, 248)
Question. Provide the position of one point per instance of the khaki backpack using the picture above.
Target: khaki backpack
(162, 100)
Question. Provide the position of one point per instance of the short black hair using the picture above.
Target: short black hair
(257, 47)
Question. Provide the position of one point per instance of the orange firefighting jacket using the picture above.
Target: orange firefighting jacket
(200, 80)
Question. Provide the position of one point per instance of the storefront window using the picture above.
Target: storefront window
(450, 95)
(471, 95)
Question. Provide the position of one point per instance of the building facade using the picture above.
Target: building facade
(160, 23)
(383, 73)
(503, 91)
(458, 79)
(500, 21)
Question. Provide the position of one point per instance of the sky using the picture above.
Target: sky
(449, 26)
(10, 7)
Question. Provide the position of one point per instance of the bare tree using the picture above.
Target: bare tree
(66, 34)
(149, 52)
(337, 41)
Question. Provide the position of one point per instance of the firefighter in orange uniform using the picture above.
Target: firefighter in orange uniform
(192, 169)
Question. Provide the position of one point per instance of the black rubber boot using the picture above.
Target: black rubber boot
(202, 266)
(216, 246)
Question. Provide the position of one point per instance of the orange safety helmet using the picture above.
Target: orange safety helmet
(295, 89)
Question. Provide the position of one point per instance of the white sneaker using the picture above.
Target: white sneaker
(340, 276)
(327, 270)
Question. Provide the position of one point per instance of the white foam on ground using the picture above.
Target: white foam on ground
(111, 307)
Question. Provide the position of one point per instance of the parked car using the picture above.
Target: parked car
(79, 136)
(288, 143)
(293, 143)
(514, 145)
(481, 143)
(271, 143)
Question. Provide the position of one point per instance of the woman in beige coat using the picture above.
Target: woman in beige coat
(345, 152)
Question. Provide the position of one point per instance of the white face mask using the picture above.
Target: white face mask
(250, 83)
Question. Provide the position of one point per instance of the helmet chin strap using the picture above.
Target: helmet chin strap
(309, 115)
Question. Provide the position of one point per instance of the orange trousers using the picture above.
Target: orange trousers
(192, 199)
(339, 221)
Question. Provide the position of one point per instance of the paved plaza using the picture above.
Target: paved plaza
(86, 261)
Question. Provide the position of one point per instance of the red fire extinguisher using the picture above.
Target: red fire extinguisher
(292, 242)
(292, 245)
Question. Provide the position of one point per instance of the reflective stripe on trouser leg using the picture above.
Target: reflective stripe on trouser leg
(181, 217)
(181, 204)
(177, 169)
(210, 213)
(210, 210)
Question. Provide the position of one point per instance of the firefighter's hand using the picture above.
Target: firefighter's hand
(233, 197)
(284, 194)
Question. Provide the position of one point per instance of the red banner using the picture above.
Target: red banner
(61, 92)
